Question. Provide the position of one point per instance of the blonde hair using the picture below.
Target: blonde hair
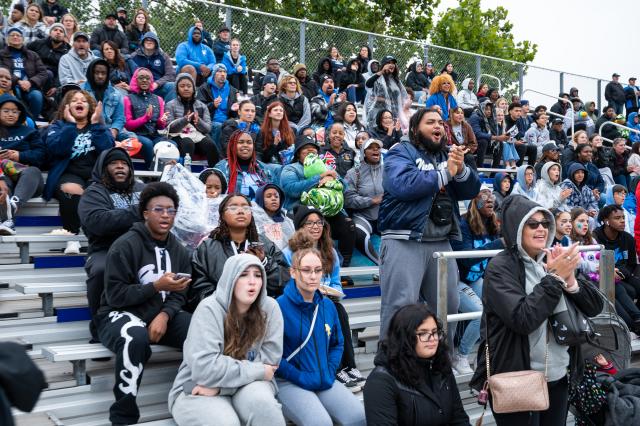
(438, 81)
(283, 84)
(76, 26)
(578, 133)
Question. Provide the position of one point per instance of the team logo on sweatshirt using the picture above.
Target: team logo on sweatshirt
(327, 330)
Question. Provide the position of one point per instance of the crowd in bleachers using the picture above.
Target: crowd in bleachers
(345, 153)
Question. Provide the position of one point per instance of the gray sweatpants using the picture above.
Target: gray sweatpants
(253, 404)
(321, 408)
(408, 274)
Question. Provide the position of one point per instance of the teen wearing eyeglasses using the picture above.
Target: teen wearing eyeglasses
(312, 350)
(236, 233)
(146, 276)
(412, 383)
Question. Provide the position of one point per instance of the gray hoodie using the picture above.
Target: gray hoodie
(72, 68)
(548, 193)
(363, 183)
(557, 361)
(203, 359)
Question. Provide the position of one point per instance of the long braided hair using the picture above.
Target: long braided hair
(234, 164)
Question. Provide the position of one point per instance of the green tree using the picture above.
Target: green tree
(488, 32)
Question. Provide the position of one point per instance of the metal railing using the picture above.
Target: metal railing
(620, 126)
(607, 281)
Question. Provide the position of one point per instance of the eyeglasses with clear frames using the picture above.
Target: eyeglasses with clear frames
(162, 210)
(307, 272)
(236, 209)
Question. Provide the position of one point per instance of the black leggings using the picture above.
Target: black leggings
(344, 230)
(239, 82)
(69, 203)
(204, 147)
(556, 415)
(348, 356)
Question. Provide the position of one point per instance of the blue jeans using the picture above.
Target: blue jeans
(619, 107)
(622, 180)
(470, 301)
(167, 91)
(216, 131)
(34, 100)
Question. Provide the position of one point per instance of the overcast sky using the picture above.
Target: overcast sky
(587, 37)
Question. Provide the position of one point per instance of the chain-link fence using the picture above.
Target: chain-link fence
(292, 40)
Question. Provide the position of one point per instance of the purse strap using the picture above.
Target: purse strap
(313, 323)
(486, 348)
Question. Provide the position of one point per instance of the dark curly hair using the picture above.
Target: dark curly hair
(157, 189)
(222, 233)
(399, 345)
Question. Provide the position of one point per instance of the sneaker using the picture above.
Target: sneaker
(356, 375)
(345, 379)
(346, 281)
(461, 364)
(8, 227)
(73, 247)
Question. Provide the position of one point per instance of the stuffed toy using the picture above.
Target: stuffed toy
(328, 198)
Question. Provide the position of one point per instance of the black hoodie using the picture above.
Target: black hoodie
(134, 262)
(106, 214)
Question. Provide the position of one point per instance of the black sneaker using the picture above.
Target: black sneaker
(345, 379)
(346, 281)
(356, 375)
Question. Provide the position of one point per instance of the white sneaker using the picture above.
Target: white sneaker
(73, 247)
(461, 364)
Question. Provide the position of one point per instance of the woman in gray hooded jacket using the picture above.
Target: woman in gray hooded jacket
(232, 351)
(363, 194)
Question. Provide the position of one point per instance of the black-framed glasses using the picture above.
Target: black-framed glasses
(535, 224)
(162, 210)
(311, 224)
(425, 336)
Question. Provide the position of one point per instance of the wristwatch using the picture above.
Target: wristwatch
(557, 277)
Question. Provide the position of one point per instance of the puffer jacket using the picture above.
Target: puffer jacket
(582, 196)
(363, 183)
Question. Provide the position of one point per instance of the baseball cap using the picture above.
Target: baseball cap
(615, 74)
(223, 29)
(111, 15)
(121, 9)
(79, 34)
(550, 146)
(557, 120)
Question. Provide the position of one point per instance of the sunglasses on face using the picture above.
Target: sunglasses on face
(534, 224)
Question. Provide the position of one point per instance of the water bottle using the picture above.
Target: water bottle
(187, 162)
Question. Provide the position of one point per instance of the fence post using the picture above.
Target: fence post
(607, 281)
(442, 274)
(561, 82)
(145, 5)
(478, 71)
(227, 17)
(425, 53)
(303, 41)
(520, 80)
(599, 96)
(371, 42)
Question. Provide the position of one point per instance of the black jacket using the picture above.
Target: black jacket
(510, 314)
(609, 132)
(21, 381)
(33, 67)
(106, 214)
(389, 402)
(309, 87)
(134, 262)
(208, 263)
(104, 33)
(614, 92)
(204, 94)
(559, 137)
(261, 104)
(50, 56)
(623, 248)
(344, 160)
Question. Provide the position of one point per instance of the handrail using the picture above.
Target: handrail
(573, 129)
(611, 123)
(607, 282)
(491, 170)
(420, 43)
(495, 78)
